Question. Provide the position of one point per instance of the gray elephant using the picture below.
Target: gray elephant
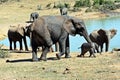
(48, 30)
(34, 16)
(17, 33)
(102, 36)
(91, 47)
(63, 11)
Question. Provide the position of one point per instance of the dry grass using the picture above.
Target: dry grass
(104, 67)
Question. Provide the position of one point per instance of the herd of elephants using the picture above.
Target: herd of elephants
(44, 31)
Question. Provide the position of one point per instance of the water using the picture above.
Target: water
(92, 24)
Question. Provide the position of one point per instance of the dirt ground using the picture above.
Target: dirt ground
(20, 67)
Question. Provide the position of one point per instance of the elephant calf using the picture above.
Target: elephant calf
(102, 36)
(17, 33)
(91, 47)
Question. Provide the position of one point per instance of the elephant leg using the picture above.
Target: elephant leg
(97, 49)
(14, 45)
(21, 48)
(34, 54)
(62, 48)
(92, 52)
(57, 47)
(44, 53)
(25, 43)
(83, 51)
(107, 46)
(67, 50)
(10, 44)
(101, 46)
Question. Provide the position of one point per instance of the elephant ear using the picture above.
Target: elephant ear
(21, 30)
(69, 26)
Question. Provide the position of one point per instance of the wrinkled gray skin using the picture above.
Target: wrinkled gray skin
(102, 36)
(63, 11)
(91, 47)
(47, 30)
(17, 34)
(34, 16)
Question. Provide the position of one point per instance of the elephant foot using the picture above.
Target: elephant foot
(58, 56)
(67, 56)
(34, 60)
(43, 59)
(26, 50)
(80, 56)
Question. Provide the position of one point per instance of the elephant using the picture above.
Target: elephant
(48, 30)
(63, 11)
(17, 33)
(34, 16)
(91, 47)
(102, 36)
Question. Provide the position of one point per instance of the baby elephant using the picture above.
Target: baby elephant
(17, 33)
(91, 47)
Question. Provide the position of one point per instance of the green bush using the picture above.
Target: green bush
(88, 10)
(99, 2)
(3, 53)
(39, 7)
(3, 1)
(67, 5)
(110, 5)
(117, 1)
(96, 6)
(82, 3)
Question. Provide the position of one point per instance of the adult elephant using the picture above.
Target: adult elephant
(34, 16)
(17, 33)
(47, 30)
(102, 36)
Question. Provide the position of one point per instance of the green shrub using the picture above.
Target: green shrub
(99, 2)
(48, 6)
(3, 1)
(39, 7)
(67, 5)
(82, 3)
(3, 53)
(96, 6)
(60, 5)
(88, 10)
(117, 1)
(109, 5)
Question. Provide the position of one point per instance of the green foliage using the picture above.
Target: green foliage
(98, 2)
(60, 5)
(67, 5)
(3, 1)
(3, 54)
(39, 7)
(109, 5)
(117, 1)
(88, 10)
(82, 3)
(48, 6)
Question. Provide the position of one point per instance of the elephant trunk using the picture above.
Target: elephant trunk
(87, 38)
